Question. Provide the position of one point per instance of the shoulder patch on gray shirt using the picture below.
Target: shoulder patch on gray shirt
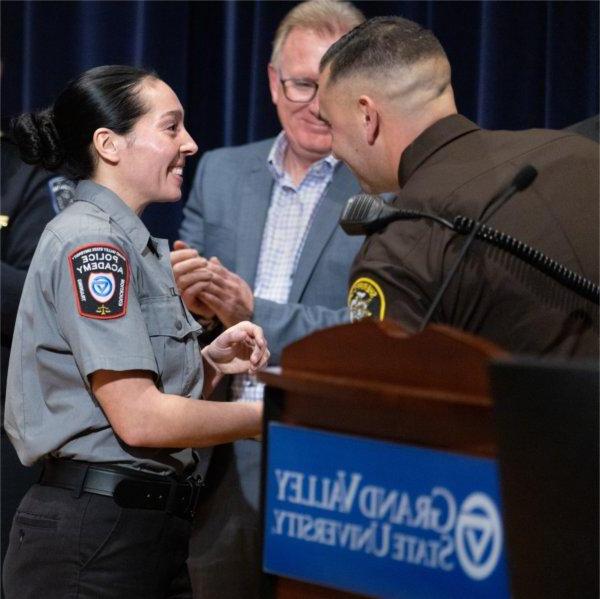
(100, 275)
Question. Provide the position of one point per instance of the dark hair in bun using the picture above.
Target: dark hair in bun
(61, 136)
(37, 138)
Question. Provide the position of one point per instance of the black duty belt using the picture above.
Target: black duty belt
(129, 488)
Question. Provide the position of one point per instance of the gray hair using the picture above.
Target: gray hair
(322, 16)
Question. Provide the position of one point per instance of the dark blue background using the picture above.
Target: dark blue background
(515, 64)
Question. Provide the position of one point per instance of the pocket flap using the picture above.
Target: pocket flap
(166, 316)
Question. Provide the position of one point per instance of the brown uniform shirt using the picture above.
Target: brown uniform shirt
(456, 168)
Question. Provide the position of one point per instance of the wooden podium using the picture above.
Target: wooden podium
(372, 380)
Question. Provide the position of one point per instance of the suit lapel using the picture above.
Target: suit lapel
(324, 223)
(254, 199)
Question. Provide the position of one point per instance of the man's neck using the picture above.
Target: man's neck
(296, 166)
(409, 128)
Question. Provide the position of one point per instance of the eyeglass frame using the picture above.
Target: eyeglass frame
(315, 85)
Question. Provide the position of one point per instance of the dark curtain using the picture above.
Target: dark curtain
(515, 64)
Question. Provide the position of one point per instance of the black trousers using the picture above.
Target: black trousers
(15, 480)
(62, 546)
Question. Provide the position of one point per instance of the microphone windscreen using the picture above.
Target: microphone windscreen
(360, 213)
(360, 207)
(524, 178)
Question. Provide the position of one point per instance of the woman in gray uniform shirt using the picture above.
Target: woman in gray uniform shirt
(106, 371)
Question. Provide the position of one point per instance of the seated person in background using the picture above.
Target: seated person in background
(385, 93)
(264, 218)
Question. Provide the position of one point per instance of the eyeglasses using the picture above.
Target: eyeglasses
(299, 90)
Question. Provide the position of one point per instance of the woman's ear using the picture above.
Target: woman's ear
(370, 118)
(107, 145)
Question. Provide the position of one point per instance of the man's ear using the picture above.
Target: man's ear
(370, 118)
(273, 83)
(107, 144)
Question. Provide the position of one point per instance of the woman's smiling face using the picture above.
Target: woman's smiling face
(153, 158)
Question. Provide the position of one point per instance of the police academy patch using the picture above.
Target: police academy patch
(366, 300)
(100, 275)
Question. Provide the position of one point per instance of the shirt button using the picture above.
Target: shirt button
(178, 325)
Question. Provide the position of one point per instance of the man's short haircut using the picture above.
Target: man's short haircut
(326, 17)
(381, 44)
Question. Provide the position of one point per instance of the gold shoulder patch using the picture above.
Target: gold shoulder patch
(366, 300)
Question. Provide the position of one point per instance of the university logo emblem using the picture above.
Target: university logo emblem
(101, 286)
(478, 536)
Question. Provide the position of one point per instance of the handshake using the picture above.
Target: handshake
(210, 290)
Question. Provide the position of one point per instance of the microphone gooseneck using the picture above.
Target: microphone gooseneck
(560, 273)
(523, 179)
(364, 214)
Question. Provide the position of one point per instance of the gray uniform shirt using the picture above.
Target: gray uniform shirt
(99, 295)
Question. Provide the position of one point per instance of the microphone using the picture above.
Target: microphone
(523, 179)
(364, 214)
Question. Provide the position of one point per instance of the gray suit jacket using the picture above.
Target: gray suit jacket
(225, 216)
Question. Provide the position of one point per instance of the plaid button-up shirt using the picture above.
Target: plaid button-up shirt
(288, 221)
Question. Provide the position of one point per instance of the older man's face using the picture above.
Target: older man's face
(308, 137)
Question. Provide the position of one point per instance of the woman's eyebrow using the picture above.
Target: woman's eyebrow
(174, 113)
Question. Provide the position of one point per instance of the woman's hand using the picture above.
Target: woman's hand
(192, 277)
(241, 348)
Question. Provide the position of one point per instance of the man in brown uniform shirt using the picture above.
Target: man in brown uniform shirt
(386, 93)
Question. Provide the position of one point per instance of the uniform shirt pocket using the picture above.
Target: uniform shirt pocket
(173, 334)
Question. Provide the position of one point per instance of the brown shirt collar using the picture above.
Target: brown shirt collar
(430, 141)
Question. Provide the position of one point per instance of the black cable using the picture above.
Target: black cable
(523, 179)
(364, 214)
(560, 273)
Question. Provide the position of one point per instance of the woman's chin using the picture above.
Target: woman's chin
(171, 197)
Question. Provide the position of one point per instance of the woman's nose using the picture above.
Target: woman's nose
(189, 146)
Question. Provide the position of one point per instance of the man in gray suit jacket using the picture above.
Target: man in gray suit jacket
(260, 241)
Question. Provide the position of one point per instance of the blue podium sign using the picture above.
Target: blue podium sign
(382, 519)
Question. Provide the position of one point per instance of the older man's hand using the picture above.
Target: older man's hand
(228, 295)
(209, 289)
